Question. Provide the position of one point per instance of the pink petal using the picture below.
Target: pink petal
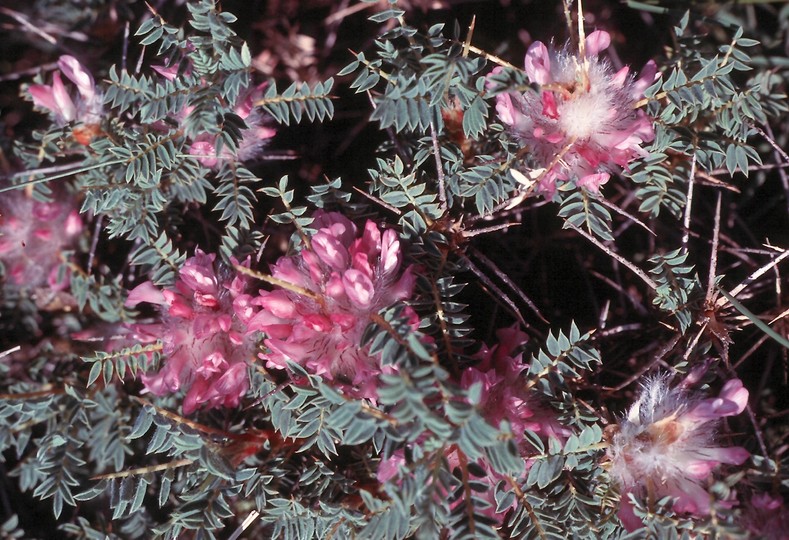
(337, 225)
(72, 69)
(692, 498)
(538, 63)
(44, 234)
(335, 288)
(330, 250)
(549, 108)
(389, 468)
(231, 386)
(277, 303)
(286, 270)
(732, 455)
(620, 77)
(65, 107)
(359, 288)
(764, 501)
(592, 182)
(205, 152)
(145, 292)
(199, 277)
(555, 138)
(264, 133)
(597, 41)
(505, 109)
(734, 391)
(369, 244)
(246, 104)
(345, 321)
(168, 72)
(213, 363)
(317, 323)
(178, 307)
(645, 80)
(73, 224)
(733, 399)
(390, 253)
(700, 469)
(626, 514)
(42, 96)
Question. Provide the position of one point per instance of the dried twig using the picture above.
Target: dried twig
(616, 256)
(502, 276)
(714, 254)
(689, 205)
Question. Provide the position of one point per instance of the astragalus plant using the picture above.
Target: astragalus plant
(467, 279)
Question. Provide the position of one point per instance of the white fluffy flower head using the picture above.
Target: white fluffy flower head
(665, 445)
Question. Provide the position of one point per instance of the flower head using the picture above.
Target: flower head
(85, 106)
(253, 138)
(206, 342)
(580, 124)
(665, 445)
(33, 235)
(766, 517)
(504, 393)
(330, 290)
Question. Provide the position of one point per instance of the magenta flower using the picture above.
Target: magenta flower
(504, 394)
(665, 447)
(330, 291)
(206, 342)
(84, 107)
(766, 517)
(580, 124)
(253, 138)
(33, 236)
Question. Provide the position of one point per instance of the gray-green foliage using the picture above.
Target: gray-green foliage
(143, 171)
(703, 114)
(299, 451)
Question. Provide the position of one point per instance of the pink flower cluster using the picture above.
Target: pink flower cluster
(581, 124)
(504, 394)
(665, 447)
(253, 138)
(330, 289)
(206, 341)
(33, 235)
(766, 517)
(85, 107)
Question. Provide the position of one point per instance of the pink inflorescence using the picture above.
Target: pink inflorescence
(204, 332)
(580, 124)
(330, 289)
(253, 138)
(766, 517)
(504, 393)
(665, 446)
(85, 106)
(33, 235)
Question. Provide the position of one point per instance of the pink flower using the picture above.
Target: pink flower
(206, 342)
(580, 124)
(664, 446)
(253, 138)
(333, 288)
(504, 394)
(766, 517)
(85, 107)
(33, 236)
